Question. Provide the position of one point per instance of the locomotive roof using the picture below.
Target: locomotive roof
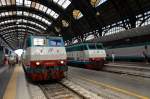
(45, 37)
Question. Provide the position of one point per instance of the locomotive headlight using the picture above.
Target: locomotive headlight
(62, 62)
(37, 63)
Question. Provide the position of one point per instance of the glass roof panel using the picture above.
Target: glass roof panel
(56, 16)
(26, 13)
(63, 3)
(3, 14)
(10, 12)
(19, 12)
(44, 8)
(48, 11)
(33, 4)
(52, 13)
(13, 2)
(6, 13)
(60, 2)
(41, 7)
(14, 12)
(27, 3)
(37, 6)
(100, 2)
(55, 1)
(66, 4)
(3, 2)
(8, 2)
(19, 2)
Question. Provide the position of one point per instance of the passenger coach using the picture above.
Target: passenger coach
(86, 55)
(44, 58)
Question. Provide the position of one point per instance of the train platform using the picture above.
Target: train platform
(5, 74)
(103, 84)
(133, 68)
(139, 64)
(118, 86)
(17, 86)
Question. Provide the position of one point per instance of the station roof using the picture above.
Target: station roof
(67, 18)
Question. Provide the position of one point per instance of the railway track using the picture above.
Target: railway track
(59, 91)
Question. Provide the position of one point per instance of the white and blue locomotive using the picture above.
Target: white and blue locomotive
(44, 58)
(86, 55)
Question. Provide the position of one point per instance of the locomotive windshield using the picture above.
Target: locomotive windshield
(55, 42)
(95, 46)
(99, 46)
(92, 46)
(38, 41)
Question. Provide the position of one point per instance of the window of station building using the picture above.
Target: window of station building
(77, 14)
(90, 37)
(75, 41)
(113, 31)
(140, 18)
(96, 3)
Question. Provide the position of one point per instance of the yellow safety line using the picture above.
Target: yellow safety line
(10, 92)
(114, 88)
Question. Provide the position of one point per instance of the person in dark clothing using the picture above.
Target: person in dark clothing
(145, 53)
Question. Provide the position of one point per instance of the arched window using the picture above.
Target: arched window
(90, 37)
(114, 30)
(75, 41)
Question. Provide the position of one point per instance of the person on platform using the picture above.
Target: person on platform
(145, 54)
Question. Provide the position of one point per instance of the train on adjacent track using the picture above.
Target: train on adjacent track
(44, 58)
(7, 56)
(86, 55)
(129, 53)
(13, 58)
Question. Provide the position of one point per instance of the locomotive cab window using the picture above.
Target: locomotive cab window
(38, 41)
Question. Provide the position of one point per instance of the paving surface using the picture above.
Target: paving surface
(5, 74)
(132, 85)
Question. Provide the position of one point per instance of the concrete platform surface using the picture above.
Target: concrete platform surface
(17, 87)
(131, 85)
(5, 74)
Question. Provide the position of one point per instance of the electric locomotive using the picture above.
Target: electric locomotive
(86, 55)
(12, 58)
(44, 58)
